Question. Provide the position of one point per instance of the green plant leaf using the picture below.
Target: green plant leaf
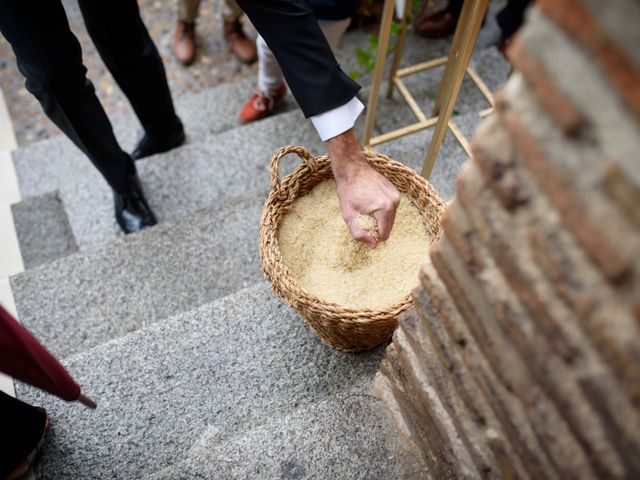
(354, 75)
(363, 56)
(370, 64)
(373, 42)
(395, 29)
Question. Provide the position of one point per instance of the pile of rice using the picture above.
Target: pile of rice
(323, 258)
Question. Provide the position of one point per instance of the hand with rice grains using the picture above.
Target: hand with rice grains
(361, 189)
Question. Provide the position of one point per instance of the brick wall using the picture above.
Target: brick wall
(522, 358)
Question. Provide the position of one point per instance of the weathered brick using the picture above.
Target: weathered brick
(438, 376)
(428, 424)
(599, 313)
(493, 151)
(559, 107)
(508, 364)
(578, 21)
(621, 423)
(613, 266)
(476, 424)
(456, 226)
(512, 415)
(625, 194)
(518, 281)
(556, 378)
(438, 426)
(477, 312)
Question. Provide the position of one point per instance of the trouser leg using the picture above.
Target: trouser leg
(50, 58)
(132, 58)
(270, 76)
(510, 18)
(231, 11)
(455, 7)
(188, 10)
(22, 428)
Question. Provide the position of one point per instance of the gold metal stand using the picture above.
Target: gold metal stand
(456, 64)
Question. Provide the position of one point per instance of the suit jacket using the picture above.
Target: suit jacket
(291, 30)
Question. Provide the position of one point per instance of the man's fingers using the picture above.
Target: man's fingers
(385, 219)
(361, 235)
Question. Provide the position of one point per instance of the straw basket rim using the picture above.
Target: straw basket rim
(313, 170)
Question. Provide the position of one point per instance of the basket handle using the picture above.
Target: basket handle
(302, 152)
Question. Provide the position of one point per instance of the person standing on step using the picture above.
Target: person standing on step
(49, 56)
(327, 96)
(334, 17)
(184, 41)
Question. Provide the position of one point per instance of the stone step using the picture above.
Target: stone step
(349, 436)
(181, 181)
(43, 229)
(220, 370)
(88, 298)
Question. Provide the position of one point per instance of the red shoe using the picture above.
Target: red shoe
(261, 104)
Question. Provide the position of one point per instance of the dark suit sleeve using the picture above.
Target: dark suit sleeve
(291, 30)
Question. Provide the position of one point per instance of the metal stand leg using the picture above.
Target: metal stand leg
(399, 46)
(383, 45)
(458, 37)
(469, 25)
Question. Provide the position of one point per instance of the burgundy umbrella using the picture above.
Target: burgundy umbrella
(23, 357)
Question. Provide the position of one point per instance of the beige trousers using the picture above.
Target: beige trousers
(188, 10)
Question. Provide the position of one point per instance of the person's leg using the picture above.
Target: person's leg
(270, 76)
(271, 85)
(184, 40)
(242, 46)
(454, 7)
(188, 10)
(510, 18)
(441, 23)
(49, 56)
(132, 58)
(22, 428)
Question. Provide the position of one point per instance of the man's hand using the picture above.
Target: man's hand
(361, 189)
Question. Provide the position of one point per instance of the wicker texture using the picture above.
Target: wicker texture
(346, 329)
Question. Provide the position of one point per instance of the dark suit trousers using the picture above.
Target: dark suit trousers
(21, 426)
(50, 58)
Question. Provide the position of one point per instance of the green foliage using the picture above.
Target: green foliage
(366, 57)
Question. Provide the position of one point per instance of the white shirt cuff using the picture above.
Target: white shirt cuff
(338, 120)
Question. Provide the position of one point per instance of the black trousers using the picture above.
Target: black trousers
(50, 58)
(21, 427)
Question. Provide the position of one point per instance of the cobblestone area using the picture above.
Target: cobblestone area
(215, 64)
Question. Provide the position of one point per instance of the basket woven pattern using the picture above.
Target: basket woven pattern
(345, 329)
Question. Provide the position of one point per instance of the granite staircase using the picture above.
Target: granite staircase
(198, 370)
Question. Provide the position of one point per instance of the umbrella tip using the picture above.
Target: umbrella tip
(87, 401)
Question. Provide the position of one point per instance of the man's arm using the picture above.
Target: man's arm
(327, 96)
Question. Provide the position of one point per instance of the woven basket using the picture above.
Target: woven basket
(346, 329)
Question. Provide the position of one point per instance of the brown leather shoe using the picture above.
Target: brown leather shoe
(437, 25)
(184, 42)
(243, 47)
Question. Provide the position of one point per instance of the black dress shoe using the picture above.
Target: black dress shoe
(150, 146)
(132, 210)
